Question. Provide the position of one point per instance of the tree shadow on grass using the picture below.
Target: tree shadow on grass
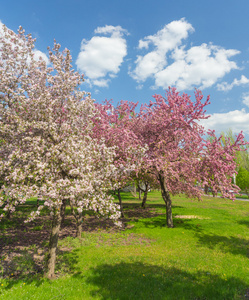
(160, 222)
(234, 245)
(144, 281)
(244, 222)
(67, 262)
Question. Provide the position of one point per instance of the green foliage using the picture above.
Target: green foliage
(242, 157)
(242, 179)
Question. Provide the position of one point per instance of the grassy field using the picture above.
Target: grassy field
(204, 257)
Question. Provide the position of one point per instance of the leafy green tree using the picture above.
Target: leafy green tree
(241, 157)
(242, 179)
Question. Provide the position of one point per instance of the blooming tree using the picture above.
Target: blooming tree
(45, 125)
(217, 164)
(116, 127)
(178, 155)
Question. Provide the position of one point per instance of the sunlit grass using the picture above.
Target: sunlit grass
(204, 257)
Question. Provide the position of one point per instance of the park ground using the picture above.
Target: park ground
(205, 256)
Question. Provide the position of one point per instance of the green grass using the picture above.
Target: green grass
(204, 257)
(241, 196)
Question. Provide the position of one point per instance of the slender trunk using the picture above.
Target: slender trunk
(8, 215)
(144, 198)
(63, 210)
(79, 225)
(167, 200)
(145, 193)
(140, 192)
(79, 219)
(53, 243)
(37, 203)
(120, 204)
(206, 189)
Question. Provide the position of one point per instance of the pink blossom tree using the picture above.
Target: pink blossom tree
(217, 163)
(178, 154)
(115, 125)
(46, 124)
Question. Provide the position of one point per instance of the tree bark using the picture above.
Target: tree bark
(145, 193)
(144, 198)
(79, 226)
(63, 210)
(8, 215)
(167, 200)
(78, 216)
(140, 192)
(53, 243)
(120, 204)
(206, 189)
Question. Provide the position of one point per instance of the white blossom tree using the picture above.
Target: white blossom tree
(45, 129)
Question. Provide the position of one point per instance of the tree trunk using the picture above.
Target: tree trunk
(79, 225)
(140, 192)
(120, 203)
(206, 189)
(8, 215)
(145, 193)
(53, 243)
(167, 200)
(63, 210)
(144, 198)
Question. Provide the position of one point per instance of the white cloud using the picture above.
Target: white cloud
(102, 56)
(200, 66)
(245, 97)
(113, 30)
(163, 41)
(236, 120)
(101, 82)
(1, 27)
(38, 54)
(224, 86)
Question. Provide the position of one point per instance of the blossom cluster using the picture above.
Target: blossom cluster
(46, 123)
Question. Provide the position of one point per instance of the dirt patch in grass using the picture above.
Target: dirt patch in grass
(139, 212)
(23, 246)
(191, 217)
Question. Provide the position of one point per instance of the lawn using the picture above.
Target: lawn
(204, 257)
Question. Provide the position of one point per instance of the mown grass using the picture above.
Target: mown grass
(204, 257)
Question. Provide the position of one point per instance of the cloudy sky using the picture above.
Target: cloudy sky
(131, 50)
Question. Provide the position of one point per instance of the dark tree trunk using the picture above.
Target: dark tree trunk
(206, 189)
(63, 210)
(140, 192)
(53, 243)
(79, 219)
(145, 193)
(144, 198)
(8, 215)
(120, 203)
(79, 225)
(167, 200)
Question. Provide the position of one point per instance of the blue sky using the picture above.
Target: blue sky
(131, 50)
